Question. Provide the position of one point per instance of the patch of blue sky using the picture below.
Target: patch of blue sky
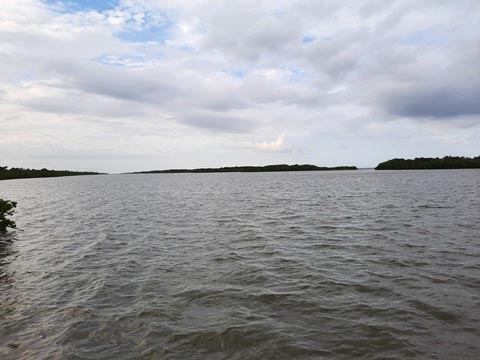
(237, 73)
(69, 6)
(121, 61)
(158, 33)
(295, 75)
(308, 39)
(155, 27)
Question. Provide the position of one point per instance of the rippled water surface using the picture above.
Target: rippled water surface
(308, 265)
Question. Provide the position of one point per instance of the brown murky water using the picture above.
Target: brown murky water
(311, 265)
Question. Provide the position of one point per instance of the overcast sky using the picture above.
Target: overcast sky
(153, 84)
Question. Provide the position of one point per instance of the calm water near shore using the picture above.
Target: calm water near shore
(303, 265)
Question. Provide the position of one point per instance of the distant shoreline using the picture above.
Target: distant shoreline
(21, 173)
(445, 163)
(233, 169)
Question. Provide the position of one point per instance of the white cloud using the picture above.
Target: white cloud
(277, 145)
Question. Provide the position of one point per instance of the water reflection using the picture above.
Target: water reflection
(6, 251)
(7, 303)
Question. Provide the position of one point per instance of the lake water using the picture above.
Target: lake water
(307, 265)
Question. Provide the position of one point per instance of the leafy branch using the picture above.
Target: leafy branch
(7, 208)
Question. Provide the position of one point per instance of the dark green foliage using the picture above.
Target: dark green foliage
(7, 208)
(21, 173)
(448, 162)
(267, 168)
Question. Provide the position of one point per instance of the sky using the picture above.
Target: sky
(123, 85)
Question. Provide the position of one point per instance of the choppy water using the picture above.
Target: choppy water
(311, 265)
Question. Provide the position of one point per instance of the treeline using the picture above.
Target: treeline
(21, 173)
(267, 168)
(448, 162)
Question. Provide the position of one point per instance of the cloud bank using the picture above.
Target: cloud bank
(186, 83)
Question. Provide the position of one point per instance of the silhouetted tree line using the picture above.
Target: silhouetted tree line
(21, 173)
(267, 168)
(448, 162)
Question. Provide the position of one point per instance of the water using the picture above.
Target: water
(308, 265)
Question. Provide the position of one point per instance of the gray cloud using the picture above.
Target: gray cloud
(218, 122)
(442, 102)
(265, 34)
(84, 104)
(434, 88)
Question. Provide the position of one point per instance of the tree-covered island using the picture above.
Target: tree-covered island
(447, 162)
(21, 173)
(267, 168)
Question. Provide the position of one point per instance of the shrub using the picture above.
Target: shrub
(7, 208)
